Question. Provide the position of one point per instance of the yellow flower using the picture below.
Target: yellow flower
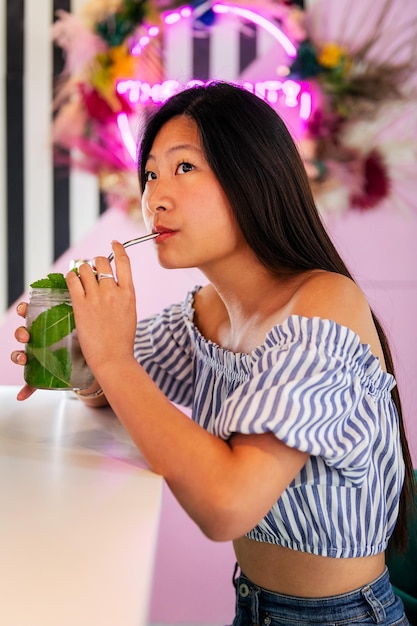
(101, 80)
(115, 64)
(122, 63)
(331, 55)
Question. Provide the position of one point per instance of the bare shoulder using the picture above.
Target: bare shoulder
(336, 297)
(322, 292)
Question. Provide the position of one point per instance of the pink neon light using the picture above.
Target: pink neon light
(172, 18)
(186, 11)
(291, 90)
(260, 21)
(126, 134)
(138, 91)
(152, 31)
(270, 90)
(305, 105)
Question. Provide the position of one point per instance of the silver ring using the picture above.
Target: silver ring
(102, 275)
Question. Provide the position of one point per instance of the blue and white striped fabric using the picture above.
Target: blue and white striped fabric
(318, 389)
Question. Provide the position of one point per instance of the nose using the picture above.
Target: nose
(155, 209)
(155, 199)
(151, 209)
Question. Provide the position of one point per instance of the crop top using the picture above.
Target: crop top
(319, 390)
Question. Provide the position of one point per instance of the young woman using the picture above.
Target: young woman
(296, 448)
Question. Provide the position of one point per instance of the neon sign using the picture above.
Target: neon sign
(137, 91)
(255, 18)
(286, 91)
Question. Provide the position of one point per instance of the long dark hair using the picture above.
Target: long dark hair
(255, 160)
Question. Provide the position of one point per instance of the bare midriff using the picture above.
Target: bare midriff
(296, 573)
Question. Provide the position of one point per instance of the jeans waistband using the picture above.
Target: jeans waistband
(371, 599)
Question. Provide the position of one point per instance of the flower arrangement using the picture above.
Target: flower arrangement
(360, 86)
(101, 46)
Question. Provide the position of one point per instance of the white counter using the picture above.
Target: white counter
(79, 515)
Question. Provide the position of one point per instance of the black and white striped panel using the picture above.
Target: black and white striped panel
(42, 209)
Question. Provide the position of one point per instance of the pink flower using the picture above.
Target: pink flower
(98, 108)
(376, 184)
(324, 124)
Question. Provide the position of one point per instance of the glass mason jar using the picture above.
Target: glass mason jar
(54, 357)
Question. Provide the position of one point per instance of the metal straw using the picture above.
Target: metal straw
(132, 242)
(75, 263)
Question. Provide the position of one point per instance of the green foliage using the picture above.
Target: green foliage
(53, 281)
(116, 28)
(52, 325)
(306, 64)
(46, 367)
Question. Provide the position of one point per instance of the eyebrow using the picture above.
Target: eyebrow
(178, 147)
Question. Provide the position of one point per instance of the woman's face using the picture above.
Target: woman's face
(185, 203)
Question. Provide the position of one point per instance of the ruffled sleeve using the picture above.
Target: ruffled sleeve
(164, 348)
(315, 386)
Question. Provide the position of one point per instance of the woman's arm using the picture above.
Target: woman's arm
(93, 396)
(226, 487)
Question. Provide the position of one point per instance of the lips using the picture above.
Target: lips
(164, 233)
(162, 230)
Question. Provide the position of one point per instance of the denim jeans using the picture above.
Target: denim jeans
(374, 603)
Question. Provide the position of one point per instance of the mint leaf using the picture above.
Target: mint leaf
(52, 325)
(53, 281)
(47, 369)
(41, 283)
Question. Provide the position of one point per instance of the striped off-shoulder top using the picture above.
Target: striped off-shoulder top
(318, 389)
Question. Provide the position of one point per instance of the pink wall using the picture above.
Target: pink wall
(193, 575)
(380, 249)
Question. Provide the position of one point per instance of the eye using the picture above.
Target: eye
(184, 167)
(149, 175)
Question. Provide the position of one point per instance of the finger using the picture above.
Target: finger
(22, 309)
(25, 393)
(19, 357)
(22, 335)
(78, 283)
(105, 273)
(74, 283)
(102, 262)
(122, 262)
